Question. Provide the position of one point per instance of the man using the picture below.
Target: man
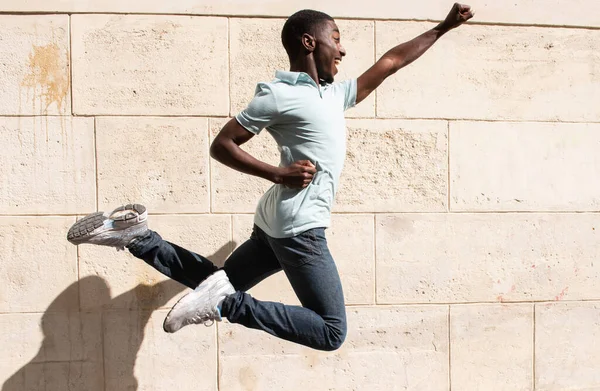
(303, 110)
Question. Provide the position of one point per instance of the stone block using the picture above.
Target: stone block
(52, 351)
(498, 166)
(459, 258)
(34, 72)
(47, 165)
(36, 263)
(572, 12)
(411, 343)
(394, 166)
(492, 347)
(138, 354)
(149, 65)
(567, 336)
(159, 162)
(495, 73)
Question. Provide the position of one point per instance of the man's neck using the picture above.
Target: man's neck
(306, 65)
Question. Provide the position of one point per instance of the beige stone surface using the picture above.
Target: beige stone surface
(495, 72)
(524, 166)
(232, 191)
(394, 166)
(256, 53)
(159, 162)
(47, 165)
(450, 258)
(351, 242)
(109, 102)
(134, 284)
(34, 71)
(138, 354)
(554, 12)
(411, 343)
(492, 347)
(149, 65)
(36, 264)
(51, 351)
(567, 336)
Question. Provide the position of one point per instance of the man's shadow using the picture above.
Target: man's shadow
(95, 349)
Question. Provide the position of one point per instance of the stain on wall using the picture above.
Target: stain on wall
(47, 77)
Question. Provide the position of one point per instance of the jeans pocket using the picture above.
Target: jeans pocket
(299, 250)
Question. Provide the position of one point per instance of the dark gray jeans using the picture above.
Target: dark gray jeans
(321, 321)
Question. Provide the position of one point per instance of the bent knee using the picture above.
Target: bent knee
(334, 344)
(335, 337)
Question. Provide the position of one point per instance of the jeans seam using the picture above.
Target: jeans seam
(315, 244)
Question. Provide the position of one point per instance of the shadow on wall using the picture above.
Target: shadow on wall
(95, 349)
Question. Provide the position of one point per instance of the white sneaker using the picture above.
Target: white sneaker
(116, 229)
(200, 306)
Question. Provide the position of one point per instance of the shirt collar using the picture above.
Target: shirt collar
(294, 78)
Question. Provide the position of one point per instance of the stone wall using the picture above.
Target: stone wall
(465, 229)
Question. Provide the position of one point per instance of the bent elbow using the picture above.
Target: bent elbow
(216, 149)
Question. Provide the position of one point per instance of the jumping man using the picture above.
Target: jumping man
(303, 109)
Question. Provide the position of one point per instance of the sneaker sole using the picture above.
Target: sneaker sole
(87, 227)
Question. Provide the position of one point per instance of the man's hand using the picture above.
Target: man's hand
(297, 175)
(458, 15)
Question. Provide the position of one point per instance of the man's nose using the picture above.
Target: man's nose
(342, 50)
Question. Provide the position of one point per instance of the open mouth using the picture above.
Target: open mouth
(336, 63)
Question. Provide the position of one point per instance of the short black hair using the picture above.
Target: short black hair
(305, 21)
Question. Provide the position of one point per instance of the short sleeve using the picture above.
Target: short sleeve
(349, 87)
(261, 112)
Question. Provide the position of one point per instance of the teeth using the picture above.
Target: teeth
(337, 62)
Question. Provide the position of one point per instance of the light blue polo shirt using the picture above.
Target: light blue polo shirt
(307, 122)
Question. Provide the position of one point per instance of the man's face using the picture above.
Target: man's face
(328, 51)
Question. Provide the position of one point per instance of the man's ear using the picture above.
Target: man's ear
(309, 42)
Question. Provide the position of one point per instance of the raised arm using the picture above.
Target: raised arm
(226, 149)
(407, 52)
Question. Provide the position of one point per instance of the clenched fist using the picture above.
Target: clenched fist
(458, 15)
(297, 175)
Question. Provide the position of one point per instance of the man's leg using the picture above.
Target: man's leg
(249, 264)
(308, 264)
(126, 226)
(178, 263)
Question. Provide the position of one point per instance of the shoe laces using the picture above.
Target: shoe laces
(204, 317)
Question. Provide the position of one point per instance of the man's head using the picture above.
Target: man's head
(315, 35)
